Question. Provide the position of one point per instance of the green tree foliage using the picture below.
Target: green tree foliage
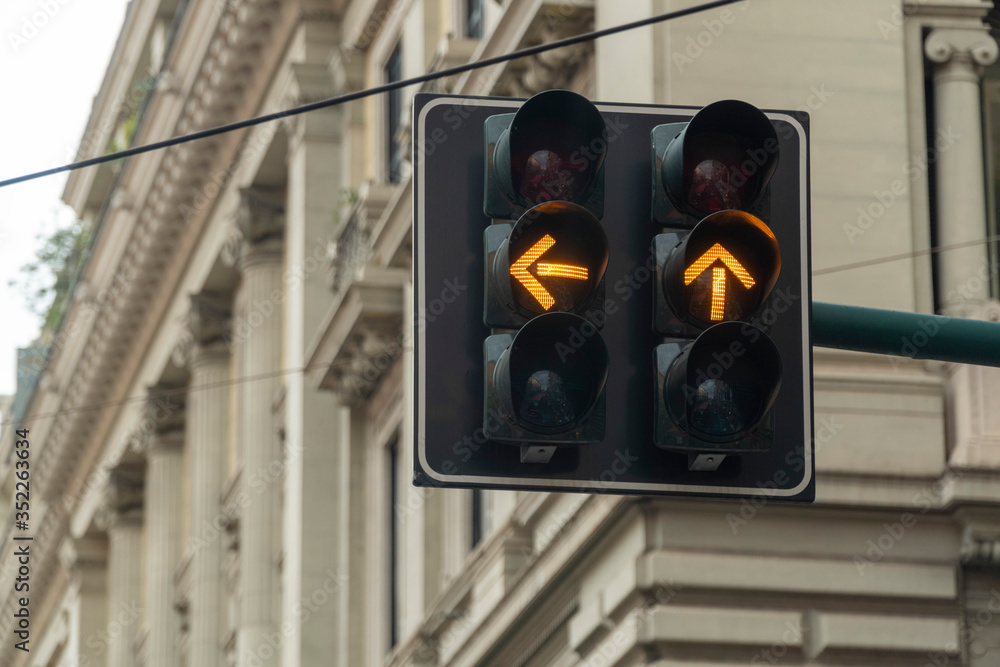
(45, 281)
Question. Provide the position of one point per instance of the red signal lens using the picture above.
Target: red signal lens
(722, 159)
(712, 188)
(542, 166)
(717, 180)
(545, 178)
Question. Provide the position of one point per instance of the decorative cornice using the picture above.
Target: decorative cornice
(232, 247)
(123, 498)
(85, 560)
(241, 28)
(552, 69)
(361, 336)
(980, 538)
(261, 214)
(164, 409)
(209, 319)
(965, 46)
(946, 11)
(152, 231)
(183, 349)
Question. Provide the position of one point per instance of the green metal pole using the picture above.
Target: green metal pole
(912, 335)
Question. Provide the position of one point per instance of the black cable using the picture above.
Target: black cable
(175, 391)
(350, 97)
(904, 255)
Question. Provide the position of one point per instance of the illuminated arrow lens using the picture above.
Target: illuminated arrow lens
(554, 259)
(723, 270)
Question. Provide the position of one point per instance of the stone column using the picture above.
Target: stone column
(958, 155)
(86, 561)
(316, 534)
(261, 221)
(207, 433)
(164, 477)
(121, 517)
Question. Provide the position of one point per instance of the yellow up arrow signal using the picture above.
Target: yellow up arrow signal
(717, 252)
(519, 270)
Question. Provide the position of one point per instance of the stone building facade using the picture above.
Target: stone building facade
(221, 437)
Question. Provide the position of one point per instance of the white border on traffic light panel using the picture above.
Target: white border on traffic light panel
(624, 487)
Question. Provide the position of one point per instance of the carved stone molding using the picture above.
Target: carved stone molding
(971, 46)
(232, 248)
(451, 52)
(209, 319)
(313, 81)
(122, 199)
(974, 405)
(261, 215)
(123, 497)
(180, 356)
(165, 408)
(346, 73)
(85, 560)
(980, 538)
(361, 336)
(552, 69)
(981, 546)
(163, 215)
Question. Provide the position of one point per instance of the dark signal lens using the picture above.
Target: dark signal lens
(722, 385)
(553, 149)
(719, 408)
(717, 180)
(541, 167)
(722, 159)
(557, 365)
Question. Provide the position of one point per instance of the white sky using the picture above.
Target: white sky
(47, 84)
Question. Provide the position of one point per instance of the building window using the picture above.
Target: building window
(991, 130)
(474, 19)
(392, 497)
(394, 109)
(479, 517)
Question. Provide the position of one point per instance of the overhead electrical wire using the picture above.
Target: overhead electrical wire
(368, 92)
(904, 255)
(180, 390)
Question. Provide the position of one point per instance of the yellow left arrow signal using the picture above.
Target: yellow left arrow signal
(519, 270)
(718, 252)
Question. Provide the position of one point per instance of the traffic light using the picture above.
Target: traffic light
(717, 375)
(544, 275)
(611, 297)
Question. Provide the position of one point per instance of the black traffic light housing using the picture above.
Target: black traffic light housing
(544, 275)
(717, 391)
(717, 377)
(501, 398)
